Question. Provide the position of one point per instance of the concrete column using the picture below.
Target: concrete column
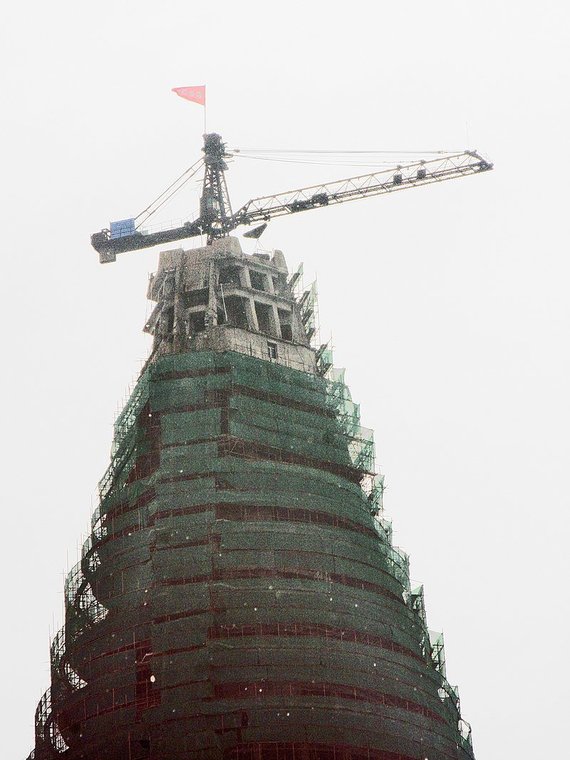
(244, 278)
(212, 310)
(178, 331)
(269, 283)
(250, 313)
(297, 327)
(274, 321)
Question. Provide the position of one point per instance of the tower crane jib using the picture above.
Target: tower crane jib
(216, 218)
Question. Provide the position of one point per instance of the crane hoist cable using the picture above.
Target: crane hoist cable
(335, 157)
(394, 162)
(191, 171)
(342, 152)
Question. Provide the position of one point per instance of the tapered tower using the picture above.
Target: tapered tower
(239, 597)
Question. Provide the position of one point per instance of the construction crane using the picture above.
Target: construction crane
(216, 218)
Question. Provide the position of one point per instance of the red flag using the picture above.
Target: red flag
(195, 94)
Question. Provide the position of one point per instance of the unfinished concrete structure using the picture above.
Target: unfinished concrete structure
(239, 597)
(216, 298)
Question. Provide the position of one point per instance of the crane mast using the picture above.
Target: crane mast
(215, 207)
(216, 218)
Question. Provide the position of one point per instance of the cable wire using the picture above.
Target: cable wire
(343, 152)
(321, 163)
(193, 169)
(337, 158)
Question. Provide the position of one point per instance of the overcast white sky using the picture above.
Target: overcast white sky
(448, 304)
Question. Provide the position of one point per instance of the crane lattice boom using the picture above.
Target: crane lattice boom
(387, 181)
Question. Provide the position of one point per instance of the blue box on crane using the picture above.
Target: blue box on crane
(122, 228)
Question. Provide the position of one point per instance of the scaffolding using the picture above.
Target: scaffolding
(232, 477)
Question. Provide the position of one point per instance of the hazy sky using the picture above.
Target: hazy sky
(448, 305)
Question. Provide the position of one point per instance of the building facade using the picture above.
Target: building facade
(239, 597)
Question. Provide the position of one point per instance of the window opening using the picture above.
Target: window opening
(236, 314)
(263, 318)
(285, 322)
(257, 280)
(196, 297)
(229, 276)
(197, 322)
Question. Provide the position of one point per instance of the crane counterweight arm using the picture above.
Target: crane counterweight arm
(109, 247)
(387, 181)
